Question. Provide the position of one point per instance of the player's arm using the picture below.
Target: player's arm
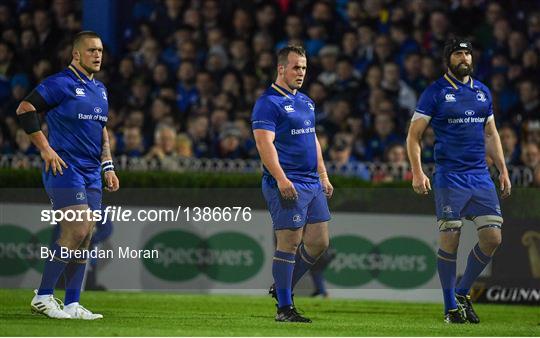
(420, 183)
(495, 152)
(321, 169)
(29, 121)
(264, 140)
(111, 180)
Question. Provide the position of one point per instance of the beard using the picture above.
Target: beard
(461, 70)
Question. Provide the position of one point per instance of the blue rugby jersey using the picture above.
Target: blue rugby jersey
(458, 113)
(76, 118)
(292, 118)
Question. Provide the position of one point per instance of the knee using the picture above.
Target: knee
(491, 243)
(74, 236)
(288, 246)
(316, 247)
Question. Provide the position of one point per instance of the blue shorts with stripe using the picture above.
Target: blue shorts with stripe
(310, 207)
(74, 187)
(464, 196)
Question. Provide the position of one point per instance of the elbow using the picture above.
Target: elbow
(24, 107)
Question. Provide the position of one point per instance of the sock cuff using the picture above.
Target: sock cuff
(284, 257)
(305, 256)
(479, 255)
(446, 256)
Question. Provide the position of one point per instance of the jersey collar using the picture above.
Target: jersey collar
(80, 75)
(455, 82)
(282, 91)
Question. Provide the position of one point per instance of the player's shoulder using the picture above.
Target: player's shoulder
(60, 78)
(304, 97)
(99, 84)
(435, 89)
(269, 96)
(480, 85)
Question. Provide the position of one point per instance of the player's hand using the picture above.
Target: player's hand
(111, 181)
(327, 187)
(287, 189)
(506, 186)
(52, 161)
(421, 184)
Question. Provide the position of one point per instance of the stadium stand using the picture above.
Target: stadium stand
(187, 73)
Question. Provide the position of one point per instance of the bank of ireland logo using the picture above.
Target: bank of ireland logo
(97, 110)
(20, 249)
(480, 96)
(450, 98)
(469, 112)
(398, 262)
(228, 257)
(307, 123)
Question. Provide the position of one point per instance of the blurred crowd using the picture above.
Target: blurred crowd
(188, 72)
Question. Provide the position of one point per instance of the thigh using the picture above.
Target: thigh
(316, 232)
(286, 214)
(451, 195)
(484, 200)
(65, 190)
(94, 195)
(318, 207)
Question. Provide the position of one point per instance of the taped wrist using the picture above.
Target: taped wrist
(107, 166)
(29, 121)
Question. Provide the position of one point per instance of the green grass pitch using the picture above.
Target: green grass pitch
(170, 314)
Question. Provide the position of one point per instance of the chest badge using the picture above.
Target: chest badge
(450, 97)
(80, 92)
(480, 96)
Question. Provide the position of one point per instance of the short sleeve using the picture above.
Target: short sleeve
(427, 103)
(264, 116)
(52, 91)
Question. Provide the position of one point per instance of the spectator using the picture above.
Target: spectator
(133, 142)
(510, 145)
(530, 155)
(528, 107)
(340, 154)
(184, 146)
(396, 88)
(164, 148)
(397, 168)
(328, 57)
(384, 134)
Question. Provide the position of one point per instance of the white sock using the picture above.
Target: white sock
(42, 297)
(72, 304)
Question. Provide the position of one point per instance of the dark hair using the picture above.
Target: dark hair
(284, 52)
(83, 35)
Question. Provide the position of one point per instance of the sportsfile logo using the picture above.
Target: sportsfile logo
(398, 262)
(228, 257)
